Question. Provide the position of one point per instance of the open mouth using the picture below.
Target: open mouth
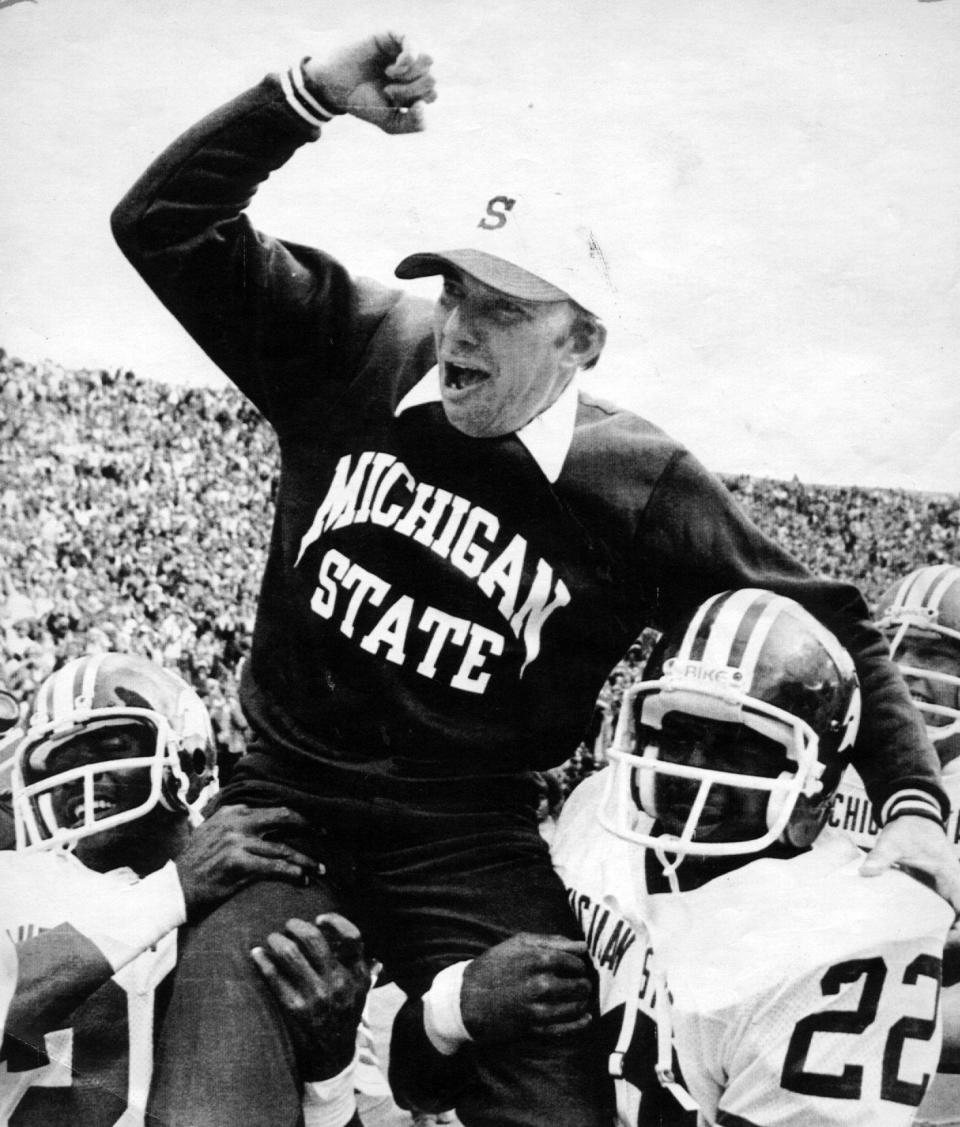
(77, 811)
(459, 378)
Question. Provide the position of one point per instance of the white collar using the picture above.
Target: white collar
(547, 436)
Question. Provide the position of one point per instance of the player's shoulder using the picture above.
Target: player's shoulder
(586, 854)
(42, 864)
(579, 832)
(826, 880)
(774, 922)
(43, 887)
(580, 815)
(579, 819)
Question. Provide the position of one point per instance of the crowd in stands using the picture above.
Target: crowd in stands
(135, 515)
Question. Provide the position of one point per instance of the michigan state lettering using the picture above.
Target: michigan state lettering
(401, 626)
(609, 937)
(375, 488)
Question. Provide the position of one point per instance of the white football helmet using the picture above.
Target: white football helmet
(747, 658)
(925, 605)
(95, 694)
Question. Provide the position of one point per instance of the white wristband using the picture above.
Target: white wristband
(300, 100)
(442, 1019)
(127, 920)
(330, 1103)
(911, 801)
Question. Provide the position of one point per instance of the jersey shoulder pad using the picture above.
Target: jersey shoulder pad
(773, 922)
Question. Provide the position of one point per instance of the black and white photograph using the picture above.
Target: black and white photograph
(479, 567)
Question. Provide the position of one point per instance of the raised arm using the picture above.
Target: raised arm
(271, 314)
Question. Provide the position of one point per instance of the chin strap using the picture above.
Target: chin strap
(664, 1066)
(615, 1060)
(669, 867)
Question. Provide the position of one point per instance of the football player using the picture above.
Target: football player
(111, 771)
(920, 616)
(746, 973)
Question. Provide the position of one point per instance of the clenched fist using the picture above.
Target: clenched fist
(380, 80)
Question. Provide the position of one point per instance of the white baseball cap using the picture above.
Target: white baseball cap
(527, 245)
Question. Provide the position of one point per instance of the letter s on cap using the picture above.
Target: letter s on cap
(499, 217)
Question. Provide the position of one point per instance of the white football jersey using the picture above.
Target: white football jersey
(800, 992)
(109, 1049)
(853, 814)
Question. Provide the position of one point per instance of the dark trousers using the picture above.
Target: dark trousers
(432, 874)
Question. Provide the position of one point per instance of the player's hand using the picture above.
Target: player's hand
(527, 984)
(232, 849)
(320, 977)
(920, 844)
(381, 80)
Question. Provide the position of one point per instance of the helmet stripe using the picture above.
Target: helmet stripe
(88, 685)
(918, 587)
(727, 626)
(41, 706)
(744, 633)
(902, 594)
(940, 584)
(66, 687)
(771, 609)
(698, 632)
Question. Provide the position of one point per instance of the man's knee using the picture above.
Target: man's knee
(217, 983)
(248, 917)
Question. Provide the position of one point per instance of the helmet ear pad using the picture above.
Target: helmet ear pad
(807, 820)
(810, 813)
(184, 779)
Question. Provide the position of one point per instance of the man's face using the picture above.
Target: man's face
(114, 791)
(502, 361)
(730, 813)
(933, 654)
